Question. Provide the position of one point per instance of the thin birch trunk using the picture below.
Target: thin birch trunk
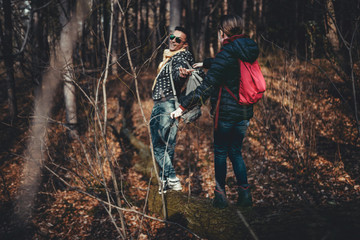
(34, 158)
(68, 37)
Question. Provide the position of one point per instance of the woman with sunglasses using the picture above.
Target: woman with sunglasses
(163, 128)
(233, 119)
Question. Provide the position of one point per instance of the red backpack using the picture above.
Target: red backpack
(251, 86)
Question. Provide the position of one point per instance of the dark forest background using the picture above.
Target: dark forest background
(75, 104)
(308, 29)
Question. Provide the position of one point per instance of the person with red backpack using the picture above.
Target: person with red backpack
(231, 115)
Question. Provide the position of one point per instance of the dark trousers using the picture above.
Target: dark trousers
(228, 140)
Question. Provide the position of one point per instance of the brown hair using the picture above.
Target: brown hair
(231, 25)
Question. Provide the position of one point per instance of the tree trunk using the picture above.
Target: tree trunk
(35, 56)
(40, 47)
(119, 38)
(43, 103)
(331, 31)
(138, 22)
(225, 7)
(68, 39)
(115, 44)
(94, 25)
(67, 44)
(204, 14)
(199, 12)
(175, 14)
(7, 39)
(244, 12)
(155, 29)
(106, 22)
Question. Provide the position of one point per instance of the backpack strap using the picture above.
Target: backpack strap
(231, 93)
(217, 109)
(172, 82)
(188, 64)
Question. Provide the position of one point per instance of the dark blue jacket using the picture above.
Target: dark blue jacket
(225, 70)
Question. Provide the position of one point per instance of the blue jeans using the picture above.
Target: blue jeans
(163, 134)
(228, 140)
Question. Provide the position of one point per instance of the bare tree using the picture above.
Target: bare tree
(37, 38)
(335, 35)
(7, 39)
(175, 14)
(204, 12)
(331, 31)
(71, 31)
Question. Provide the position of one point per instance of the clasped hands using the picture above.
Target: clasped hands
(177, 113)
(183, 73)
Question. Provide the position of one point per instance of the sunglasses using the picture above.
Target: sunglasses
(177, 39)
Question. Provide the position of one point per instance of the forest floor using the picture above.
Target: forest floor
(301, 152)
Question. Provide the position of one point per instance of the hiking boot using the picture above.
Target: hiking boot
(219, 200)
(244, 197)
(174, 184)
(163, 187)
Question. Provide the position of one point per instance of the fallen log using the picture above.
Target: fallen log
(144, 164)
(195, 213)
(294, 221)
(198, 215)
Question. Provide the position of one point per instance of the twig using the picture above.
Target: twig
(349, 47)
(117, 207)
(139, 101)
(247, 225)
(308, 61)
(145, 204)
(353, 77)
(107, 65)
(26, 35)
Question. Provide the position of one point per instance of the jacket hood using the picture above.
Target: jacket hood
(242, 47)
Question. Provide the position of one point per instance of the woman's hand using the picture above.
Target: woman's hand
(177, 113)
(184, 72)
(197, 65)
